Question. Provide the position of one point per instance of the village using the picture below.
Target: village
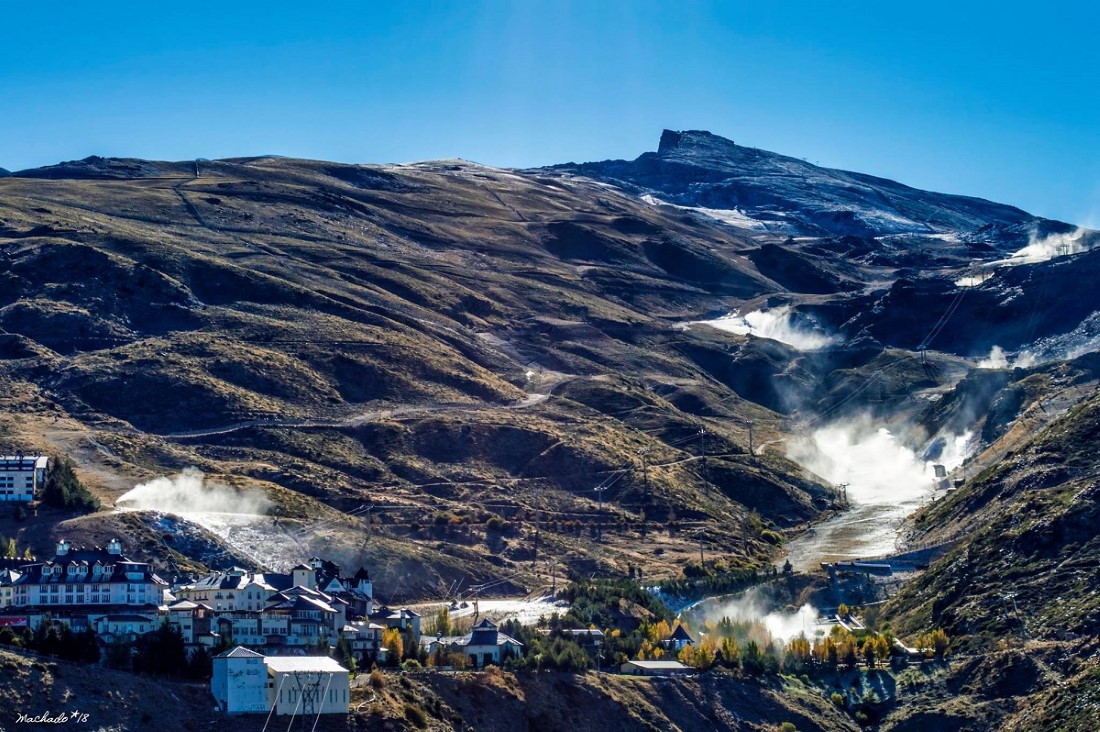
(293, 643)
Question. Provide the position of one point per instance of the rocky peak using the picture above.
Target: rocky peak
(692, 140)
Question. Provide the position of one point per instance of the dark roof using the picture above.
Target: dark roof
(120, 566)
(681, 635)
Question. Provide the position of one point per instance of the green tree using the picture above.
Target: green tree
(64, 490)
(161, 652)
(200, 664)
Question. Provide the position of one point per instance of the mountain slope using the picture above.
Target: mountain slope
(787, 195)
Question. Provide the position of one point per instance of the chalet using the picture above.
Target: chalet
(193, 620)
(482, 646)
(679, 639)
(364, 639)
(405, 620)
(585, 637)
(22, 477)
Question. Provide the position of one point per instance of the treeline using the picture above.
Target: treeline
(699, 583)
(51, 638)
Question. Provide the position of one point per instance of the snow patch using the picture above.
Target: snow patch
(730, 216)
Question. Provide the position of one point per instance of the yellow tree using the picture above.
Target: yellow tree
(393, 643)
(799, 648)
(731, 652)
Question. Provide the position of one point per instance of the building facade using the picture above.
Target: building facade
(22, 477)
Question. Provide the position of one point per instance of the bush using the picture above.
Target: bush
(411, 664)
(416, 716)
(838, 699)
(788, 727)
(377, 680)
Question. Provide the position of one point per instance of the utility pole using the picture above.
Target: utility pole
(599, 519)
(703, 452)
(538, 528)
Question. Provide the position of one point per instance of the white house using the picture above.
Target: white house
(307, 685)
(239, 681)
(22, 476)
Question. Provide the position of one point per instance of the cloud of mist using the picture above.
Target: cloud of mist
(877, 466)
(771, 624)
(188, 492)
(1085, 338)
(1047, 248)
(778, 324)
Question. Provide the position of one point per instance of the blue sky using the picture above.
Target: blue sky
(997, 100)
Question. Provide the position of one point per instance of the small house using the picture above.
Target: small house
(679, 639)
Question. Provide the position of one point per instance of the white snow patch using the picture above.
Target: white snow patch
(731, 216)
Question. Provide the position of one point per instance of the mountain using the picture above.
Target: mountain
(472, 350)
(763, 191)
(463, 376)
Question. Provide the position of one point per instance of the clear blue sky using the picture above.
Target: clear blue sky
(999, 100)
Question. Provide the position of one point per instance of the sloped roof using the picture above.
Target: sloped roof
(239, 652)
(681, 635)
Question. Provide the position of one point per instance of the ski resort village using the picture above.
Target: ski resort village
(294, 643)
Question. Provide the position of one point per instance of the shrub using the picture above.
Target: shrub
(377, 680)
(838, 699)
(416, 716)
(411, 664)
(788, 727)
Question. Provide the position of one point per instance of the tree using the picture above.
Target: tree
(731, 652)
(161, 652)
(869, 652)
(442, 624)
(394, 645)
(64, 490)
(200, 665)
(27, 554)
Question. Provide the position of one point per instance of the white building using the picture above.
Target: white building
(87, 580)
(307, 685)
(22, 476)
(239, 681)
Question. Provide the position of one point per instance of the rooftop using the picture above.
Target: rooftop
(239, 652)
(316, 664)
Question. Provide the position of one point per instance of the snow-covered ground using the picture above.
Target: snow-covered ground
(730, 216)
